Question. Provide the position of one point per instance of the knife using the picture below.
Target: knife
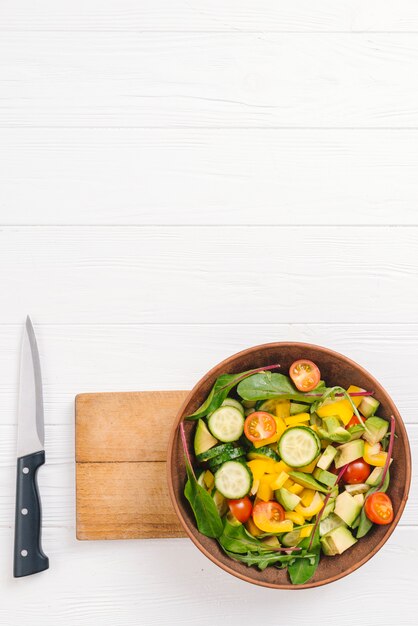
(29, 557)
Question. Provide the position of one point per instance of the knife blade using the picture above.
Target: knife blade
(29, 557)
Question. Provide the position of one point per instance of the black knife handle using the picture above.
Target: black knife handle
(28, 554)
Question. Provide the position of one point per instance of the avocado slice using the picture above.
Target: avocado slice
(347, 507)
(287, 499)
(356, 431)
(327, 457)
(331, 522)
(368, 406)
(296, 408)
(326, 478)
(203, 439)
(376, 429)
(337, 541)
(334, 429)
(306, 480)
(349, 452)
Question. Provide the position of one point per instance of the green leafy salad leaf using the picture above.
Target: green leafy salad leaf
(303, 568)
(204, 508)
(266, 385)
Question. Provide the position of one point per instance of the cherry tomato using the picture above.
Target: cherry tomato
(268, 516)
(354, 421)
(259, 425)
(378, 508)
(305, 374)
(356, 472)
(241, 509)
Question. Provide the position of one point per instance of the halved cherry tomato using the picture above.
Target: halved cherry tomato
(305, 374)
(378, 508)
(259, 425)
(356, 472)
(241, 509)
(354, 421)
(268, 516)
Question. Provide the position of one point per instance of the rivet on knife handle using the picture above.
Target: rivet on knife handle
(29, 557)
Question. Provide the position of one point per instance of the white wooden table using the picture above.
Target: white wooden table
(201, 177)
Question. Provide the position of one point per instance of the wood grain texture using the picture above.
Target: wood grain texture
(124, 501)
(210, 15)
(210, 80)
(229, 176)
(118, 427)
(169, 582)
(87, 357)
(120, 452)
(199, 274)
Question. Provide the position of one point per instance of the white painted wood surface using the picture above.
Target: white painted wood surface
(201, 176)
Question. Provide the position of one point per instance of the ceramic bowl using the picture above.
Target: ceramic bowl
(336, 369)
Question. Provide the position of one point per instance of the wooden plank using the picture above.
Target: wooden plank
(207, 275)
(125, 427)
(78, 357)
(229, 176)
(210, 15)
(171, 582)
(124, 501)
(209, 80)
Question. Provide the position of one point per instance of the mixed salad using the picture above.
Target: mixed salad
(287, 469)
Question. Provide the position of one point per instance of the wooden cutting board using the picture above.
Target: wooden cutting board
(120, 451)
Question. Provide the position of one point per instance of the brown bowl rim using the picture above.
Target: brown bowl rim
(399, 425)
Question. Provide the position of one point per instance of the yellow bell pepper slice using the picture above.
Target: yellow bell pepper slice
(314, 508)
(254, 487)
(259, 467)
(208, 479)
(276, 527)
(307, 496)
(297, 489)
(342, 408)
(308, 469)
(280, 466)
(280, 428)
(357, 399)
(264, 491)
(282, 409)
(306, 531)
(374, 455)
(296, 518)
(289, 483)
(300, 418)
(279, 480)
(252, 528)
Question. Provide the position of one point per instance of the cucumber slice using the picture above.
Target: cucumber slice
(226, 423)
(234, 403)
(299, 446)
(213, 452)
(233, 480)
(228, 455)
(265, 452)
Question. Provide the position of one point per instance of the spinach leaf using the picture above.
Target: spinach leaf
(262, 560)
(221, 389)
(266, 385)
(237, 539)
(304, 567)
(365, 524)
(207, 517)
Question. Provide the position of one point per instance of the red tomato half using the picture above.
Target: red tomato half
(305, 374)
(378, 508)
(356, 472)
(241, 509)
(259, 425)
